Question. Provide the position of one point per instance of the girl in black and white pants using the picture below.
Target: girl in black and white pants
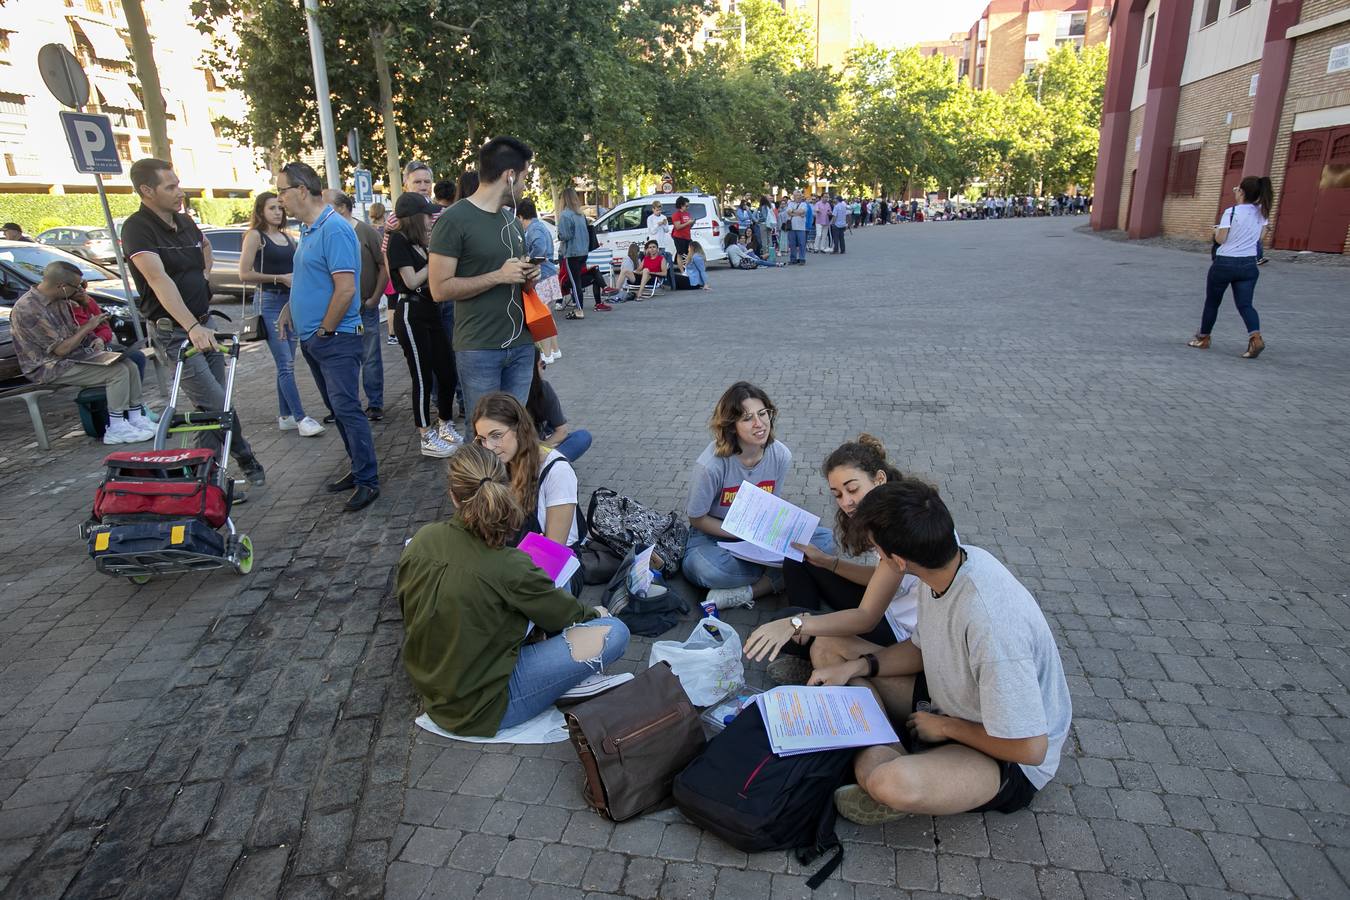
(418, 327)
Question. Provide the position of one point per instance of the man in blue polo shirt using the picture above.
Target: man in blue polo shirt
(325, 313)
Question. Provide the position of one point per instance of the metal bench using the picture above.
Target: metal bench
(29, 394)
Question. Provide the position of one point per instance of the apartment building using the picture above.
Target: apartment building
(955, 48)
(1201, 93)
(1011, 36)
(33, 155)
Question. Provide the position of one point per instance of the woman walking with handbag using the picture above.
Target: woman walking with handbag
(1237, 240)
(469, 600)
(418, 325)
(266, 259)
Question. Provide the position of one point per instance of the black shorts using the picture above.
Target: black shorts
(1015, 790)
(681, 245)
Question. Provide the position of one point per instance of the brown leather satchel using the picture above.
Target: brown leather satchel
(633, 741)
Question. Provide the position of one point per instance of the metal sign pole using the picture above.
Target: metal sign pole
(142, 335)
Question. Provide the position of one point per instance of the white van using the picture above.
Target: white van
(627, 223)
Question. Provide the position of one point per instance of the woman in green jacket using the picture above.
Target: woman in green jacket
(469, 601)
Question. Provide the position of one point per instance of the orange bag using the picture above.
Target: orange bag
(538, 318)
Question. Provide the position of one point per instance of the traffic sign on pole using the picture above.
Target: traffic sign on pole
(364, 188)
(90, 137)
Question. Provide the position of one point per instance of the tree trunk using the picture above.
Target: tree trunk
(143, 56)
(387, 112)
(620, 194)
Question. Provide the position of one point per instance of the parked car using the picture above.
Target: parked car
(21, 266)
(226, 243)
(627, 223)
(82, 240)
(9, 362)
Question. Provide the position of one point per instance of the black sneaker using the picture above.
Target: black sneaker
(252, 470)
(363, 496)
(375, 413)
(345, 483)
(329, 419)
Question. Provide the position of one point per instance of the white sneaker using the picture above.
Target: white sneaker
(139, 420)
(309, 428)
(120, 431)
(435, 446)
(730, 598)
(557, 354)
(449, 434)
(286, 423)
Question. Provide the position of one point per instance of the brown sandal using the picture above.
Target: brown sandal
(1255, 344)
(1200, 342)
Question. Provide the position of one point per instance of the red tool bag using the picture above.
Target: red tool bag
(144, 484)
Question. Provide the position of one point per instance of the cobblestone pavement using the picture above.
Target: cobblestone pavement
(1180, 515)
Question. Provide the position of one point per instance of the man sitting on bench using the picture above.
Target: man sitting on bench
(979, 686)
(52, 349)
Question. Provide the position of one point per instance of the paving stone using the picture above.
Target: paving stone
(687, 881)
(1008, 880)
(643, 877)
(733, 884)
(561, 864)
(1245, 864)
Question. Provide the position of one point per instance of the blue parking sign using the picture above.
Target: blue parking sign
(364, 188)
(92, 147)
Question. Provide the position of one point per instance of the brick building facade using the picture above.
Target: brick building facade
(1201, 93)
(1012, 35)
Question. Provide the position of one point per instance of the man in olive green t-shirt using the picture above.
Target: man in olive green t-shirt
(478, 262)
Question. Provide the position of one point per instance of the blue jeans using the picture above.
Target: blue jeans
(448, 320)
(797, 244)
(283, 354)
(372, 361)
(336, 364)
(484, 371)
(708, 565)
(1241, 273)
(546, 670)
(575, 444)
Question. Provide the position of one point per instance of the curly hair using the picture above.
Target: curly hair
(868, 455)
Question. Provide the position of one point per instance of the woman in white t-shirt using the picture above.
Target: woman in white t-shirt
(542, 479)
(862, 620)
(1237, 238)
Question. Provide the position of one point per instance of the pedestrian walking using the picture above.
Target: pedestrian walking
(824, 212)
(325, 314)
(266, 259)
(169, 259)
(478, 262)
(1237, 240)
(374, 276)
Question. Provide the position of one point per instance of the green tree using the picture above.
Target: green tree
(1070, 86)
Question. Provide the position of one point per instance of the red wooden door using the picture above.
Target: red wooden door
(1298, 199)
(1332, 216)
(1232, 175)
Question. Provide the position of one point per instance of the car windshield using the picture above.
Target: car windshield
(31, 259)
(97, 234)
(228, 241)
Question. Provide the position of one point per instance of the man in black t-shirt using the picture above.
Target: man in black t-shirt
(169, 259)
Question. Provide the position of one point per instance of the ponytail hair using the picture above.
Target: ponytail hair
(1259, 190)
(868, 455)
(483, 496)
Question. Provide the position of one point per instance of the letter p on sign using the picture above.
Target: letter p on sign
(91, 143)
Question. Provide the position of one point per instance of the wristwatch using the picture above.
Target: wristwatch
(319, 332)
(797, 623)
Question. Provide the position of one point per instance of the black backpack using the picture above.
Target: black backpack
(755, 800)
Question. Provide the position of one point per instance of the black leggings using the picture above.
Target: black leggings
(417, 325)
(578, 278)
(809, 586)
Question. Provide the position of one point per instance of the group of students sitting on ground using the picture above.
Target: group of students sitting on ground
(956, 650)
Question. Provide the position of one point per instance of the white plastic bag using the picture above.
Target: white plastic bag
(708, 664)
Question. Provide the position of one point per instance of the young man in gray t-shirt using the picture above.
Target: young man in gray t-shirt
(979, 687)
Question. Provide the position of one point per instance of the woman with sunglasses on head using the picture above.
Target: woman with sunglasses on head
(543, 481)
(743, 448)
(266, 260)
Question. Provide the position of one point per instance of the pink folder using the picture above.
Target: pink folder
(557, 561)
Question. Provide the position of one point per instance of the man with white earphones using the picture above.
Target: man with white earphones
(478, 262)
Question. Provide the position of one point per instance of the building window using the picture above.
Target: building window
(1028, 67)
(1240, 5)
(13, 104)
(1033, 50)
(1071, 24)
(1210, 14)
(1340, 151)
(1339, 61)
(1185, 169)
(123, 147)
(1308, 150)
(1148, 41)
(1251, 88)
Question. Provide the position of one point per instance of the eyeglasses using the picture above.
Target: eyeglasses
(289, 187)
(491, 439)
(763, 415)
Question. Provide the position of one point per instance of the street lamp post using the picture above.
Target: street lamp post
(326, 130)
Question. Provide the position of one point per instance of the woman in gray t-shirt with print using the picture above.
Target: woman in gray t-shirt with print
(743, 449)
